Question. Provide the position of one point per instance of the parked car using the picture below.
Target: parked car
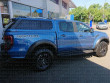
(102, 25)
(42, 39)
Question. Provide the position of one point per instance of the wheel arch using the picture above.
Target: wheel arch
(102, 39)
(40, 44)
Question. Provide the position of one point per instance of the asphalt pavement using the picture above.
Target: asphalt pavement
(85, 68)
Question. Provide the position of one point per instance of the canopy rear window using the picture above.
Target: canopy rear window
(34, 25)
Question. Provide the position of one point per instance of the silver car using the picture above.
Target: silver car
(102, 25)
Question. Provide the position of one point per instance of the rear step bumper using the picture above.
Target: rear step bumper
(4, 54)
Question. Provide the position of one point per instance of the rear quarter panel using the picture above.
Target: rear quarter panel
(23, 39)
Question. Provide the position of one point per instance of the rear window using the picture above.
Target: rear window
(10, 24)
(66, 26)
(34, 25)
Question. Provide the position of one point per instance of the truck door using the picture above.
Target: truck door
(85, 37)
(66, 37)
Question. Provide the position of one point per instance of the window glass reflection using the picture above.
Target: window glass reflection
(21, 10)
(36, 12)
(53, 15)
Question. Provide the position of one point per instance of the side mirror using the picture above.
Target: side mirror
(91, 30)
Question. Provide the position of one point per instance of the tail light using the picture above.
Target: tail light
(8, 42)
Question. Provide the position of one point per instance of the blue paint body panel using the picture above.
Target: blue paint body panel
(22, 43)
(24, 39)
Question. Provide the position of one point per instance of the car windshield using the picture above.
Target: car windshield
(101, 23)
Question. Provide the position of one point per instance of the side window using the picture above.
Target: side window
(66, 26)
(82, 28)
(70, 27)
(28, 24)
(46, 25)
(35, 25)
(63, 26)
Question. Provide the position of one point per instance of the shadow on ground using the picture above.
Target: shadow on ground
(64, 70)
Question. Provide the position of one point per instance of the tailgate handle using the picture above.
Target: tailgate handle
(80, 35)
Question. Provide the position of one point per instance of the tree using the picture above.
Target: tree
(107, 11)
(96, 11)
(80, 13)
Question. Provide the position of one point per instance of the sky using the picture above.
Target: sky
(87, 3)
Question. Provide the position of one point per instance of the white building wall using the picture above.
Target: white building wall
(57, 8)
(10, 9)
(45, 12)
(65, 12)
(46, 5)
(51, 6)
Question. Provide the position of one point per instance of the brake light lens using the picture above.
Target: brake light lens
(8, 42)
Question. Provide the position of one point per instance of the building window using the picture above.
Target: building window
(55, 1)
(4, 6)
(21, 10)
(64, 4)
(36, 12)
(53, 15)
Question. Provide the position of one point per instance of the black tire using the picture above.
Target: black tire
(97, 27)
(101, 49)
(43, 59)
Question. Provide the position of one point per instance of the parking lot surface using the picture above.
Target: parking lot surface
(77, 69)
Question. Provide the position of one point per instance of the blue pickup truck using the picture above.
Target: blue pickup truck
(41, 40)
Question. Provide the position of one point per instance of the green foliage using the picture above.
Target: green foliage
(95, 12)
(80, 13)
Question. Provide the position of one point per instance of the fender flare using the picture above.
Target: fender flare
(98, 41)
(40, 42)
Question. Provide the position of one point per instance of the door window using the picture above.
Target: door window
(82, 27)
(66, 26)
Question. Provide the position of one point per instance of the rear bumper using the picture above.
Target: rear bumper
(4, 54)
(103, 28)
(12, 53)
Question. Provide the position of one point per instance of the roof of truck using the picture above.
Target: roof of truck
(40, 18)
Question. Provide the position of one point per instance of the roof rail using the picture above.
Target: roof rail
(33, 17)
(41, 17)
(22, 17)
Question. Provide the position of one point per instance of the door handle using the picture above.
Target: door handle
(63, 35)
(80, 35)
